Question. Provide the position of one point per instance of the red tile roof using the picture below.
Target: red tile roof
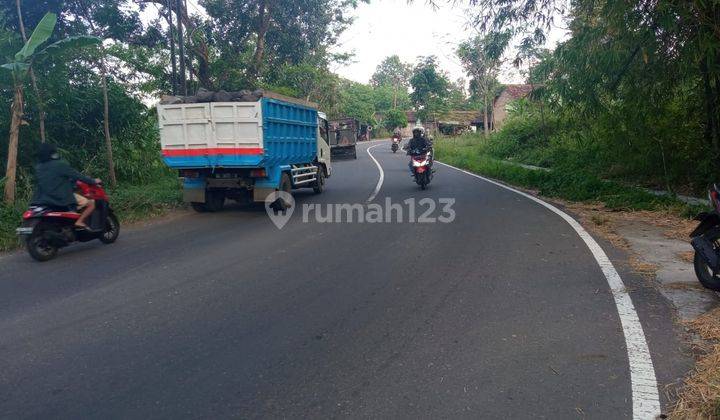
(518, 91)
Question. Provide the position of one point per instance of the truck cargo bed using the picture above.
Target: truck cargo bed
(268, 132)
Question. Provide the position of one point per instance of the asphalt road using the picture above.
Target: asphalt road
(502, 313)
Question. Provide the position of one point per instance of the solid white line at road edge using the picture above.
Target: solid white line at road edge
(382, 174)
(645, 397)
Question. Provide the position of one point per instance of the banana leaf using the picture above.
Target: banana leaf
(42, 33)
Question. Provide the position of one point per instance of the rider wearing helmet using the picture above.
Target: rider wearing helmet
(419, 141)
(419, 144)
(54, 183)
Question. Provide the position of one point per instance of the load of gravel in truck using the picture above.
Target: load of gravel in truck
(207, 96)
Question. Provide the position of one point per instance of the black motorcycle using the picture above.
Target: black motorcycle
(706, 242)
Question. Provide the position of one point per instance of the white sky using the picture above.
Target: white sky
(387, 27)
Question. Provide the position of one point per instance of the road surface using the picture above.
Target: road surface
(503, 313)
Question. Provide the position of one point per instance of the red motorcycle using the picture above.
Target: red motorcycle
(46, 230)
(421, 166)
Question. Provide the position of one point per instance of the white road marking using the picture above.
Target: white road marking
(382, 174)
(645, 397)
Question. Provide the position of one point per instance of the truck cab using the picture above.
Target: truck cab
(323, 144)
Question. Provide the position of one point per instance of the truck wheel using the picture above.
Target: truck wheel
(319, 184)
(286, 186)
(214, 200)
(199, 207)
(354, 153)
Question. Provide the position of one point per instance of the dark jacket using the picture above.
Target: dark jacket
(55, 182)
(421, 143)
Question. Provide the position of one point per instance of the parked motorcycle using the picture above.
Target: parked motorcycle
(706, 242)
(421, 165)
(46, 230)
(395, 144)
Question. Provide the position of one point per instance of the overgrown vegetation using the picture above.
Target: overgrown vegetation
(474, 153)
(632, 93)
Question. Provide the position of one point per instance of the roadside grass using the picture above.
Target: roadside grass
(130, 202)
(569, 183)
(700, 396)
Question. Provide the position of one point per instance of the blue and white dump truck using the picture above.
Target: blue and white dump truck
(244, 148)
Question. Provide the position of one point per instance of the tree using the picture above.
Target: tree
(482, 57)
(20, 68)
(386, 97)
(33, 79)
(109, 22)
(395, 118)
(392, 72)
(310, 83)
(260, 37)
(430, 89)
(356, 101)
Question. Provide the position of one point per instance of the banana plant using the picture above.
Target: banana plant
(29, 55)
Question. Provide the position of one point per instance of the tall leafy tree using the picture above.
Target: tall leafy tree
(20, 69)
(394, 73)
(356, 100)
(262, 36)
(431, 87)
(33, 78)
(482, 57)
(107, 20)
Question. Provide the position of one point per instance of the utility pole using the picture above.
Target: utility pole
(173, 77)
(181, 46)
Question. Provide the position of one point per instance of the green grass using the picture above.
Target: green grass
(130, 202)
(471, 153)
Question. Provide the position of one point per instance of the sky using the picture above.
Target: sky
(386, 27)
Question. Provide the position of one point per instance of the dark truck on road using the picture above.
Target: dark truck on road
(343, 137)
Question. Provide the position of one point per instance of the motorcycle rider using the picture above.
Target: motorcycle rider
(419, 142)
(54, 183)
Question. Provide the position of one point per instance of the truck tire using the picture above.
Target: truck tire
(354, 153)
(319, 184)
(199, 207)
(286, 186)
